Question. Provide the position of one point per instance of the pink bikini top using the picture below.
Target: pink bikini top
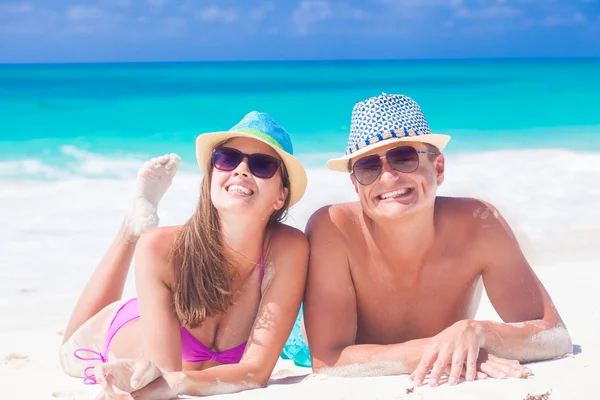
(192, 350)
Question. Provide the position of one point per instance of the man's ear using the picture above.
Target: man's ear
(354, 182)
(440, 166)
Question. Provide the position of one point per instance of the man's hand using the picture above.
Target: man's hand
(459, 346)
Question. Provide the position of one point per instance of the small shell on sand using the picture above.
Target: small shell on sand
(66, 395)
(543, 396)
(15, 359)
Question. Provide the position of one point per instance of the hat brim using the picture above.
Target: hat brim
(296, 172)
(341, 163)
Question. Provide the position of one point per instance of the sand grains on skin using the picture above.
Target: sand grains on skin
(154, 179)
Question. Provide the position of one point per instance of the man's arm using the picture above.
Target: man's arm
(330, 310)
(533, 329)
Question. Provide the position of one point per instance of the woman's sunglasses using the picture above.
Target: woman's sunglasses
(402, 159)
(261, 165)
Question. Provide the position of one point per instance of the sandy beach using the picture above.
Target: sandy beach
(56, 231)
(29, 367)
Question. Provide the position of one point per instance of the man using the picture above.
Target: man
(395, 279)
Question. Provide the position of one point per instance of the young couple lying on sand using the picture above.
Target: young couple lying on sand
(390, 283)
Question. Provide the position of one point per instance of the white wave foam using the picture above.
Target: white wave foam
(30, 168)
(55, 231)
(74, 163)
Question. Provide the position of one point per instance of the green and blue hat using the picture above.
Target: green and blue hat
(262, 127)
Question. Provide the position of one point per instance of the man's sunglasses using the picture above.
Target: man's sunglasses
(403, 159)
(260, 165)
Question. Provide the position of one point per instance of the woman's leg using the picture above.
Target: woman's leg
(108, 280)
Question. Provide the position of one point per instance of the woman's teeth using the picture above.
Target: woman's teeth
(240, 189)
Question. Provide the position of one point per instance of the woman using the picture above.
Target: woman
(218, 296)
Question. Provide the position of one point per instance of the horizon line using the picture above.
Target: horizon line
(309, 61)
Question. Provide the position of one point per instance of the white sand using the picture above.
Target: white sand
(29, 367)
(53, 233)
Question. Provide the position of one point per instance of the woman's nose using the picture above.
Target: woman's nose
(242, 168)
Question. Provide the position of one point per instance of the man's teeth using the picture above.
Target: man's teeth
(240, 189)
(395, 193)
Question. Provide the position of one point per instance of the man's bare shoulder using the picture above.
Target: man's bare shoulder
(334, 218)
(467, 212)
(476, 221)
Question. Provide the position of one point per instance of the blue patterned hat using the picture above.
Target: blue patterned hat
(262, 127)
(384, 119)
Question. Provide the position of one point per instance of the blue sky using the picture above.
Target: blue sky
(197, 30)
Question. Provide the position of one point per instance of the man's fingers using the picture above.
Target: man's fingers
(438, 368)
(512, 368)
(501, 368)
(458, 361)
(481, 375)
(472, 355)
(495, 370)
(423, 368)
(496, 358)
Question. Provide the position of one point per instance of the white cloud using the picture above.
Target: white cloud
(80, 13)
(173, 26)
(574, 18)
(309, 13)
(488, 13)
(259, 13)
(120, 3)
(15, 8)
(216, 14)
(115, 3)
(355, 14)
(157, 3)
(38, 22)
(421, 3)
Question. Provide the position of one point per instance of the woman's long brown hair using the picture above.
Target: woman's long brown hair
(202, 271)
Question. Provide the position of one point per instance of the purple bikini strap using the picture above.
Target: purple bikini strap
(89, 378)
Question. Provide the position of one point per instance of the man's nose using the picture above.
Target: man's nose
(387, 172)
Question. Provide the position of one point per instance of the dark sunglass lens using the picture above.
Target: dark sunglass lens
(367, 169)
(263, 166)
(226, 159)
(403, 159)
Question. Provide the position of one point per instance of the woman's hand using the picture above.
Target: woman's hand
(166, 387)
(121, 377)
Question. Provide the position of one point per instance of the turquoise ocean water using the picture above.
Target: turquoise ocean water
(49, 113)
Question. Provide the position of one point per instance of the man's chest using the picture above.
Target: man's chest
(393, 306)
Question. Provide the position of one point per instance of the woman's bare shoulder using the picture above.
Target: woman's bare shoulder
(285, 239)
(154, 250)
(159, 241)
